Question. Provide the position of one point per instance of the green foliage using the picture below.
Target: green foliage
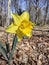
(13, 47)
(3, 51)
(6, 52)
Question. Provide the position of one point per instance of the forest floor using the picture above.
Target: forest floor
(31, 51)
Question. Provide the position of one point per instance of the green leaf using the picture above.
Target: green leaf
(10, 56)
(7, 47)
(13, 47)
(3, 51)
(7, 44)
(15, 40)
(1, 44)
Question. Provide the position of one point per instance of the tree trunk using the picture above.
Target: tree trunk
(46, 14)
(8, 15)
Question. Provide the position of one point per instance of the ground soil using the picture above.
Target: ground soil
(31, 51)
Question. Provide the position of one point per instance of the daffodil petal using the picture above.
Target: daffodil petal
(11, 28)
(19, 34)
(32, 24)
(24, 16)
(27, 32)
(19, 38)
(16, 18)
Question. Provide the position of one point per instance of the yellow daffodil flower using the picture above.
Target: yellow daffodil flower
(21, 25)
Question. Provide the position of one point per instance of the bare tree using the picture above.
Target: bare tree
(46, 11)
(1, 4)
(8, 16)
